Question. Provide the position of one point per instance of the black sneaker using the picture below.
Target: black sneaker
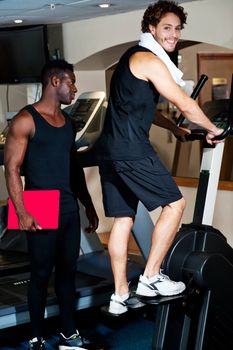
(76, 342)
(37, 344)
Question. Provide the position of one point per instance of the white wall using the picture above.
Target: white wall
(84, 38)
(90, 81)
(210, 21)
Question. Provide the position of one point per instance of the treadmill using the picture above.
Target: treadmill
(94, 279)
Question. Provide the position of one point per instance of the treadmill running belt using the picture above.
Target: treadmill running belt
(13, 262)
(13, 290)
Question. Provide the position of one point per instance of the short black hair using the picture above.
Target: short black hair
(54, 67)
(155, 12)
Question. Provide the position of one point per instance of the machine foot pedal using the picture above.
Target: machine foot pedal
(158, 300)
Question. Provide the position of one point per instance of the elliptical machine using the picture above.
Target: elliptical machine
(202, 317)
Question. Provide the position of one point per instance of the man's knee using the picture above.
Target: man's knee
(178, 206)
(182, 204)
(125, 223)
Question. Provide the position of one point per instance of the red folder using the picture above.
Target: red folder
(42, 204)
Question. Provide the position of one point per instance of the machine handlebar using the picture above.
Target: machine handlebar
(201, 82)
(199, 133)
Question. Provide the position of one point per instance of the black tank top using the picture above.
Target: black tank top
(47, 160)
(129, 115)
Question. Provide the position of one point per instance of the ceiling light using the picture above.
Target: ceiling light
(18, 21)
(104, 5)
(52, 6)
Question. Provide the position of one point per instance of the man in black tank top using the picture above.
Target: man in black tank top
(41, 141)
(130, 169)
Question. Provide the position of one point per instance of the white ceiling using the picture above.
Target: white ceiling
(61, 11)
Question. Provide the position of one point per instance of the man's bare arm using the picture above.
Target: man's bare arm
(155, 70)
(21, 128)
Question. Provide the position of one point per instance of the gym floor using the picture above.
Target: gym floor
(132, 331)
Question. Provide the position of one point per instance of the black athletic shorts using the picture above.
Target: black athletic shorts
(125, 183)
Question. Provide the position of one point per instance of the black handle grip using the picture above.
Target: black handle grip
(201, 82)
(195, 136)
(224, 134)
(200, 135)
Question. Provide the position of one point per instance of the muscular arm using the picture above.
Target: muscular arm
(149, 67)
(16, 143)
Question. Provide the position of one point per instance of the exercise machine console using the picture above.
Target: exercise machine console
(88, 114)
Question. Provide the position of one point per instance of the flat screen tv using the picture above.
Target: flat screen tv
(23, 52)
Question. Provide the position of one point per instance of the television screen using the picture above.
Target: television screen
(23, 52)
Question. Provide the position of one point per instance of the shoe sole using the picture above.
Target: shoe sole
(116, 313)
(136, 307)
(156, 294)
(105, 310)
(65, 347)
(173, 293)
(131, 305)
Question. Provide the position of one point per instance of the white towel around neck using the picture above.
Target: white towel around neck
(148, 41)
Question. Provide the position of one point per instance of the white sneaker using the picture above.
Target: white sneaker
(158, 285)
(119, 305)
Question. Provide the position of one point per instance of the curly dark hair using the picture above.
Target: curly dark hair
(155, 12)
(54, 67)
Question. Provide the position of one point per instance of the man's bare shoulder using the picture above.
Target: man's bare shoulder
(145, 56)
(22, 123)
(145, 64)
